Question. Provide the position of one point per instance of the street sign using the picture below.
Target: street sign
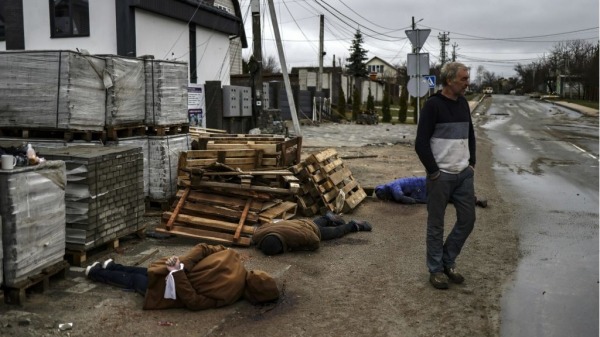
(418, 86)
(431, 80)
(417, 37)
(420, 60)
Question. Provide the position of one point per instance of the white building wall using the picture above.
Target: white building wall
(103, 27)
(212, 56)
(163, 37)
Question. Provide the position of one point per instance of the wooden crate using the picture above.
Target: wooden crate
(278, 151)
(327, 185)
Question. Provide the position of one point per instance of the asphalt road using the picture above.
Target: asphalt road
(546, 162)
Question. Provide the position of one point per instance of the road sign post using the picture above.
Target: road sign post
(419, 66)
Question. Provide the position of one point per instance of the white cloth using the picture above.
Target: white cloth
(170, 286)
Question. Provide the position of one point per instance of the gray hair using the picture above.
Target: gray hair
(449, 71)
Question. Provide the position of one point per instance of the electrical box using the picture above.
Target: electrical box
(265, 96)
(231, 101)
(246, 101)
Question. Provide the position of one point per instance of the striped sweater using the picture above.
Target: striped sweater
(445, 136)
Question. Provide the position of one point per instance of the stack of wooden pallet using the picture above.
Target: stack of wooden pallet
(277, 150)
(326, 185)
(222, 203)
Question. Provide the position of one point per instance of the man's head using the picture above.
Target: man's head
(271, 245)
(455, 79)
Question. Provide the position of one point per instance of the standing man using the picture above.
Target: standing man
(445, 145)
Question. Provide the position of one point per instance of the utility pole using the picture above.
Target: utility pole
(320, 74)
(444, 39)
(321, 54)
(286, 76)
(454, 45)
(257, 53)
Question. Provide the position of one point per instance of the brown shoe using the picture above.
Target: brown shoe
(453, 275)
(438, 280)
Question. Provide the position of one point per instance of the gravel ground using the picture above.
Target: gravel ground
(365, 284)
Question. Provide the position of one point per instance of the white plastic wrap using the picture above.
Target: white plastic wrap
(125, 98)
(161, 155)
(52, 89)
(32, 208)
(166, 92)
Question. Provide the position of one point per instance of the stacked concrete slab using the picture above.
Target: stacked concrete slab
(161, 155)
(125, 95)
(166, 92)
(52, 89)
(32, 209)
(104, 194)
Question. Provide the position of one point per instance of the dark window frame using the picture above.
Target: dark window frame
(78, 15)
(2, 22)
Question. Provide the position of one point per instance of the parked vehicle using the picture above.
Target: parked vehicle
(488, 91)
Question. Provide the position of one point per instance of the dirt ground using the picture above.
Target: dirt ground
(365, 284)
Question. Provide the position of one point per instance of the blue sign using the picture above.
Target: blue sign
(430, 80)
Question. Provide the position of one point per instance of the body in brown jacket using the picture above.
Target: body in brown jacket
(212, 277)
(301, 234)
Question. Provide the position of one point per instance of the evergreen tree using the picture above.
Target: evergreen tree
(356, 64)
(370, 102)
(341, 104)
(355, 104)
(403, 105)
(385, 106)
(358, 55)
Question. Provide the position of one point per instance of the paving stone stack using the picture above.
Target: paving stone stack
(125, 95)
(32, 210)
(59, 89)
(161, 155)
(166, 92)
(104, 195)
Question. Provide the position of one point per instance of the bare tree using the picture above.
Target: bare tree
(271, 65)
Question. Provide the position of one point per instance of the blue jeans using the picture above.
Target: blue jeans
(459, 189)
(132, 278)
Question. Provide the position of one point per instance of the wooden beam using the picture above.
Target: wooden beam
(177, 208)
(238, 231)
(210, 223)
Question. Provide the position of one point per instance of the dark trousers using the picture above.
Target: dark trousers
(333, 230)
(132, 278)
(459, 189)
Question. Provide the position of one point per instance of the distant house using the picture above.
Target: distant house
(207, 34)
(381, 70)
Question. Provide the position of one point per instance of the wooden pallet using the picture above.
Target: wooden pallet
(236, 159)
(224, 213)
(327, 185)
(66, 135)
(167, 130)
(278, 152)
(16, 294)
(125, 131)
(77, 255)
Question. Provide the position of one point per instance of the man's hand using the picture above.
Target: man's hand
(173, 263)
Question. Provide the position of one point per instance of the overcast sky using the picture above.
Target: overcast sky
(496, 34)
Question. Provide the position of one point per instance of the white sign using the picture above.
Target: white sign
(196, 105)
(418, 86)
(417, 37)
(417, 64)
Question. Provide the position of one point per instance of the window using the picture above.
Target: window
(2, 25)
(69, 18)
